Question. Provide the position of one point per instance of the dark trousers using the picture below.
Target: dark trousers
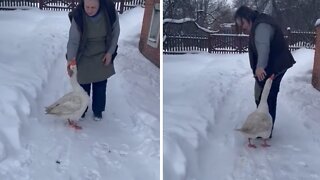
(273, 95)
(98, 96)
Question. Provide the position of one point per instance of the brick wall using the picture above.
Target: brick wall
(316, 64)
(151, 53)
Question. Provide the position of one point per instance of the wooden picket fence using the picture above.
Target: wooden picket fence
(13, 4)
(62, 5)
(228, 43)
(182, 44)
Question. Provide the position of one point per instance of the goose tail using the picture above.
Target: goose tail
(49, 109)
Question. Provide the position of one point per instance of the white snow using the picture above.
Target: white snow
(184, 20)
(231, 35)
(207, 96)
(269, 8)
(178, 21)
(317, 22)
(124, 145)
(227, 25)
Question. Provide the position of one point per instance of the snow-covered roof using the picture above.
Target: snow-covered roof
(317, 22)
(178, 21)
(228, 25)
(184, 20)
(234, 35)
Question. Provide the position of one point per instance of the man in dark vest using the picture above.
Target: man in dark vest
(268, 52)
(93, 39)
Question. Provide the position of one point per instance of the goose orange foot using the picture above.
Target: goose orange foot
(74, 125)
(265, 143)
(251, 145)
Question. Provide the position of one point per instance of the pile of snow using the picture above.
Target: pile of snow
(317, 22)
(26, 57)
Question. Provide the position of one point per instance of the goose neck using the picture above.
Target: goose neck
(265, 92)
(263, 107)
(74, 83)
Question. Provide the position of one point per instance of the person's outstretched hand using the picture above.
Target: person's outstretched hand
(71, 62)
(260, 74)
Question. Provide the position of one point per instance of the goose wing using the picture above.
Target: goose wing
(68, 104)
(257, 122)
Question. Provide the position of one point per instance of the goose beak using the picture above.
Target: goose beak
(272, 77)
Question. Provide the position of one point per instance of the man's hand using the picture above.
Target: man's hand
(260, 74)
(107, 59)
(70, 72)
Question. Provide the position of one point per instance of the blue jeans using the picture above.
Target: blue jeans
(98, 96)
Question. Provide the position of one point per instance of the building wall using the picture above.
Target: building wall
(151, 53)
(316, 65)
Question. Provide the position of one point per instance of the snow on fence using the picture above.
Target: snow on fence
(229, 43)
(124, 5)
(62, 5)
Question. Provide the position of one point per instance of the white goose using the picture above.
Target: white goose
(259, 122)
(72, 105)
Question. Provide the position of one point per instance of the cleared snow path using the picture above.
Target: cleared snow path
(224, 153)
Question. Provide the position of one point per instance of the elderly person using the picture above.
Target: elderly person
(93, 39)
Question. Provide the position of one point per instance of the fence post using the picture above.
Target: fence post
(209, 43)
(72, 5)
(289, 36)
(316, 63)
(41, 4)
(239, 42)
(121, 6)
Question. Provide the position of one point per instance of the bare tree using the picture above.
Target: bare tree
(178, 9)
(208, 13)
(211, 13)
(297, 14)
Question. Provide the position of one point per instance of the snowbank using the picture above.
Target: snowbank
(191, 94)
(317, 22)
(28, 49)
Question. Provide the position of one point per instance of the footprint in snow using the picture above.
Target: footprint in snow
(110, 156)
(292, 147)
(62, 166)
(83, 136)
(92, 175)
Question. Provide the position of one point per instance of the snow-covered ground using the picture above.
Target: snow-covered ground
(34, 146)
(207, 96)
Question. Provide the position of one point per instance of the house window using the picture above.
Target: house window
(154, 30)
